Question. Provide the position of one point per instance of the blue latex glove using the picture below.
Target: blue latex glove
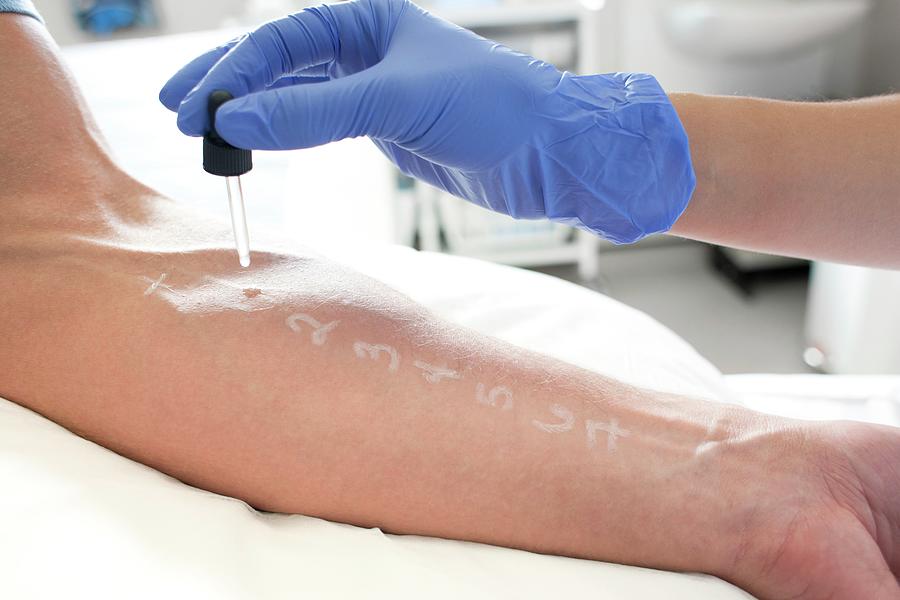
(605, 153)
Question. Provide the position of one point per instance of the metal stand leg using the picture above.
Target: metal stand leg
(588, 256)
(429, 229)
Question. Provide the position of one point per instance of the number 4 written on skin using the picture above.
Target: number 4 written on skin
(497, 397)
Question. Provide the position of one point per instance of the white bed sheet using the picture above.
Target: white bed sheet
(869, 398)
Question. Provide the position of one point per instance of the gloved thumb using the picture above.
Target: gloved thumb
(307, 115)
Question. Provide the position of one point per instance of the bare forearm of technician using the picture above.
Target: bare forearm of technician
(812, 180)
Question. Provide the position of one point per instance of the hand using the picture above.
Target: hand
(826, 520)
(604, 152)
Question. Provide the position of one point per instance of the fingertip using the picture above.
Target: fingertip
(175, 92)
(189, 122)
(165, 98)
(235, 125)
(178, 87)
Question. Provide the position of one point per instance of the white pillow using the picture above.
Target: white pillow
(548, 315)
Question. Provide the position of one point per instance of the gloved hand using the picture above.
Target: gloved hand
(603, 152)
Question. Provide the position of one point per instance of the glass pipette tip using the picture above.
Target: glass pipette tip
(238, 219)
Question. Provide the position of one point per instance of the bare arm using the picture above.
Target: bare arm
(300, 386)
(813, 180)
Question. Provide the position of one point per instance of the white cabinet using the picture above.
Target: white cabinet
(853, 320)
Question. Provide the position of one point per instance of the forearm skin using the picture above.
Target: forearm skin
(222, 381)
(813, 180)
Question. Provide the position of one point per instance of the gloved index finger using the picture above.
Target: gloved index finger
(276, 49)
(182, 82)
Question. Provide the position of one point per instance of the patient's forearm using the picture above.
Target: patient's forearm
(814, 180)
(303, 388)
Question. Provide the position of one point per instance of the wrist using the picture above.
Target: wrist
(686, 482)
(746, 476)
(771, 473)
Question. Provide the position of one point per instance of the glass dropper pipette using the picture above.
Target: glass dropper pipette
(238, 219)
(222, 159)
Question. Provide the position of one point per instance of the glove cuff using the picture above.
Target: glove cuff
(636, 177)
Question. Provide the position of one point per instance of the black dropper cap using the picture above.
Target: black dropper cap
(219, 157)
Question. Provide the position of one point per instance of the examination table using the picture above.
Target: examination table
(79, 521)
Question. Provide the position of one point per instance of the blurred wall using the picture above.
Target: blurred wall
(883, 64)
(881, 74)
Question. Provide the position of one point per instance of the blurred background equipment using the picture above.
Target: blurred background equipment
(853, 320)
(573, 36)
(103, 17)
(791, 49)
(783, 49)
(352, 198)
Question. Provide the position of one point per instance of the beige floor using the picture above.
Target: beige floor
(674, 284)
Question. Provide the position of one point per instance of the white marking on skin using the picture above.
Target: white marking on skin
(155, 284)
(490, 398)
(562, 413)
(363, 350)
(434, 374)
(320, 331)
(612, 430)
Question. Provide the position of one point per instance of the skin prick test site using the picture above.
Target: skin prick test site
(482, 299)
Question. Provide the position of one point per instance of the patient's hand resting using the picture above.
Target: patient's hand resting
(831, 529)
(301, 386)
